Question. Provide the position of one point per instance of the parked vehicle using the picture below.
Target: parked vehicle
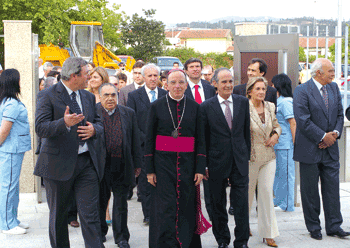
(166, 63)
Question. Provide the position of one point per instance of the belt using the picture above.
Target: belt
(170, 144)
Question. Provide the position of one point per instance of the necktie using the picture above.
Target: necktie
(153, 93)
(197, 96)
(76, 109)
(139, 87)
(325, 95)
(228, 115)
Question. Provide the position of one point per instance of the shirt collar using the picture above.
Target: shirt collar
(221, 100)
(110, 112)
(178, 100)
(318, 85)
(192, 84)
(148, 90)
(70, 91)
(137, 86)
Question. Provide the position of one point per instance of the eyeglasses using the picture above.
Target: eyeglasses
(106, 95)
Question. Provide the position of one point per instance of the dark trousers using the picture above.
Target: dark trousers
(239, 187)
(207, 198)
(72, 210)
(310, 174)
(111, 182)
(145, 192)
(84, 185)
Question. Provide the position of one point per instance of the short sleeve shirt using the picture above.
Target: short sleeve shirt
(285, 112)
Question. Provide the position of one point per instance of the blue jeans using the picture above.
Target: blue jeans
(10, 170)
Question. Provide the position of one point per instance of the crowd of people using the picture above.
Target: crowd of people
(167, 132)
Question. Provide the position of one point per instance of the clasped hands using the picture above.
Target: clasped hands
(152, 178)
(272, 141)
(328, 140)
(85, 132)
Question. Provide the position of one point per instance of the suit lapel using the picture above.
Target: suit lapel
(123, 127)
(85, 105)
(161, 92)
(331, 102)
(63, 94)
(255, 116)
(188, 92)
(218, 111)
(206, 91)
(236, 107)
(143, 96)
(317, 95)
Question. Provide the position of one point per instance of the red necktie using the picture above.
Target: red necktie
(197, 96)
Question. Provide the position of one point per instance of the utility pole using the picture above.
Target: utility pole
(338, 40)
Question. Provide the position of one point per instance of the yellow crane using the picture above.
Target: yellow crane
(86, 41)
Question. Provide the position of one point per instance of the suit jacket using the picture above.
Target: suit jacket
(131, 141)
(271, 93)
(347, 113)
(314, 120)
(218, 146)
(259, 134)
(123, 94)
(140, 103)
(209, 91)
(59, 148)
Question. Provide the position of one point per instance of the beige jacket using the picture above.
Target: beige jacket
(259, 133)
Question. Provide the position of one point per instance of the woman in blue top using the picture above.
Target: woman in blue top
(14, 142)
(285, 170)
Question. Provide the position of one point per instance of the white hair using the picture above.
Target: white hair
(149, 66)
(316, 66)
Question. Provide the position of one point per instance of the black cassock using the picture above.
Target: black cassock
(173, 200)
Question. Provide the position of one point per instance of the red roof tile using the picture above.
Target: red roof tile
(171, 34)
(312, 42)
(205, 33)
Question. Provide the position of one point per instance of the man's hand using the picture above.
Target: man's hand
(322, 145)
(137, 172)
(152, 179)
(198, 178)
(272, 141)
(206, 176)
(86, 132)
(329, 139)
(72, 119)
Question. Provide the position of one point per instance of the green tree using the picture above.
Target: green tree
(302, 55)
(51, 18)
(144, 34)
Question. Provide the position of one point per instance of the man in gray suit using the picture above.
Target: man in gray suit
(319, 116)
(138, 83)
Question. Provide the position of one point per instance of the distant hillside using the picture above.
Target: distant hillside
(245, 19)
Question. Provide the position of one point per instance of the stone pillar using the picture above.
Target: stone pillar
(18, 55)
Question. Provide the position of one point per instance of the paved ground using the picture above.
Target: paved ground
(291, 227)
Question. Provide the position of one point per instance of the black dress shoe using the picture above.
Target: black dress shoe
(243, 246)
(104, 239)
(316, 234)
(230, 211)
(223, 245)
(340, 233)
(146, 221)
(123, 244)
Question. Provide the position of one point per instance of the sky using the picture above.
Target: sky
(172, 12)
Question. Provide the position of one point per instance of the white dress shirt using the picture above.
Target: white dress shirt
(148, 91)
(223, 105)
(319, 86)
(85, 147)
(200, 89)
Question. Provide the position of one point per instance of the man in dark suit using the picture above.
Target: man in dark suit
(257, 68)
(123, 161)
(68, 124)
(319, 116)
(224, 141)
(140, 100)
(199, 90)
(137, 83)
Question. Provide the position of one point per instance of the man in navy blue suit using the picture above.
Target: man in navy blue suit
(140, 101)
(319, 116)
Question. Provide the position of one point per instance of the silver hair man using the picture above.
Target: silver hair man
(49, 82)
(149, 66)
(72, 65)
(47, 65)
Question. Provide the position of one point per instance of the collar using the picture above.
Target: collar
(70, 91)
(177, 100)
(137, 86)
(110, 112)
(192, 84)
(148, 90)
(318, 85)
(221, 100)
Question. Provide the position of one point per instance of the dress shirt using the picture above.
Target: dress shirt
(85, 147)
(223, 106)
(137, 86)
(110, 112)
(148, 91)
(200, 89)
(319, 86)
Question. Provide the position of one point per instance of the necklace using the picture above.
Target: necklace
(175, 133)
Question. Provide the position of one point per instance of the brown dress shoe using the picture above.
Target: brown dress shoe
(74, 223)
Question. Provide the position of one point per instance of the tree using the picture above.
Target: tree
(144, 34)
(51, 18)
